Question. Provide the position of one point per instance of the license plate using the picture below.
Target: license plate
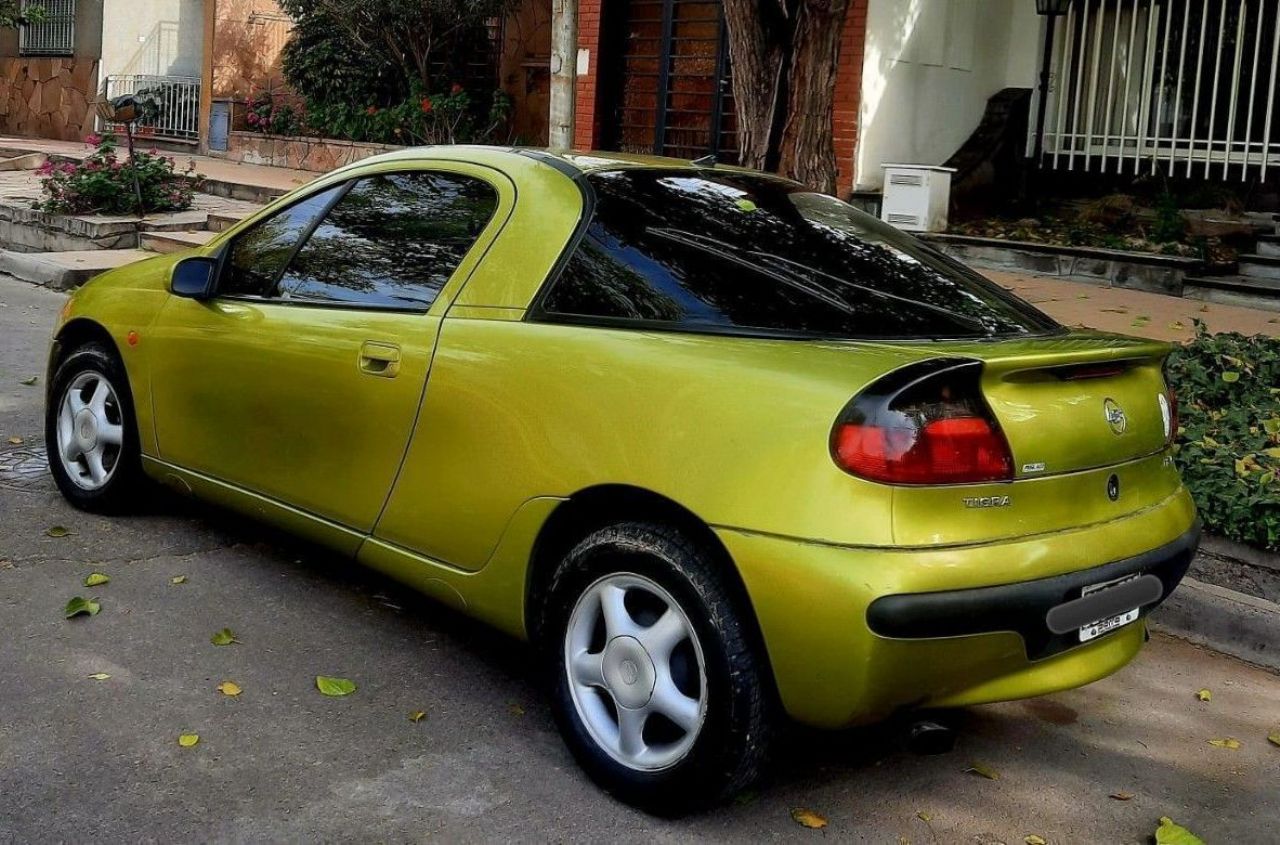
(1105, 626)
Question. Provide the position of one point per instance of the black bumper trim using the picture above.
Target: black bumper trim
(1026, 608)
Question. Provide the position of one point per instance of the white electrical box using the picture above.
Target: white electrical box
(916, 197)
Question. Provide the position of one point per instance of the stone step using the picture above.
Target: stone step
(165, 242)
(259, 194)
(66, 270)
(1260, 266)
(1269, 245)
(1245, 291)
(182, 221)
(222, 221)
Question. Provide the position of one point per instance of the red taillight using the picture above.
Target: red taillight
(925, 424)
(959, 450)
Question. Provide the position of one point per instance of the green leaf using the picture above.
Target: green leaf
(1230, 742)
(1171, 833)
(188, 740)
(178, 579)
(1230, 376)
(417, 716)
(223, 637)
(746, 205)
(30, 381)
(96, 579)
(335, 687)
(1205, 694)
(57, 531)
(78, 606)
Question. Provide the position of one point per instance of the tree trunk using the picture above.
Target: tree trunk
(807, 151)
(757, 51)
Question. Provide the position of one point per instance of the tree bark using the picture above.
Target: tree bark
(757, 51)
(807, 151)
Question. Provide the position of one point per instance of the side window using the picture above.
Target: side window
(393, 240)
(259, 254)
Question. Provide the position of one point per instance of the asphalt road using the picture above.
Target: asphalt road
(98, 760)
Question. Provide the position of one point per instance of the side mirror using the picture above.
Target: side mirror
(195, 277)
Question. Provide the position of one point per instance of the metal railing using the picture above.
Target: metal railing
(1187, 87)
(54, 35)
(170, 105)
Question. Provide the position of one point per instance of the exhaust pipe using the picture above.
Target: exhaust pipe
(927, 737)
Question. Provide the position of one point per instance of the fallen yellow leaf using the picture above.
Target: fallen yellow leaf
(1122, 796)
(808, 818)
(515, 709)
(1033, 839)
(985, 771)
(924, 817)
(99, 676)
(417, 716)
(230, 688)
(178, 579)
(188, 740)
(1274, 738)
(1204, 695)
(96, 579)
(1229, 742)
(57, 531)
(16, 441)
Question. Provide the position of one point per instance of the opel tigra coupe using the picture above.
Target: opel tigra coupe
(724, 449)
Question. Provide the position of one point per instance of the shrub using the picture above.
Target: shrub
(103, 183)
(1229, 438)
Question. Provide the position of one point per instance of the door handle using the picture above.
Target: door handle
(379, 359)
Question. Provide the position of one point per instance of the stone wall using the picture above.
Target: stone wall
(47, 97)
(319, 155)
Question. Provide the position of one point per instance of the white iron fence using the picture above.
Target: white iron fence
(169, 105)
(1186, 87)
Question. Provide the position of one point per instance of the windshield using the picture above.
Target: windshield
(717, 250)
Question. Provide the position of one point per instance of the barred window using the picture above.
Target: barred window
(55, 34)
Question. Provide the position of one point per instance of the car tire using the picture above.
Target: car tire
(665, 760)
(91, 431)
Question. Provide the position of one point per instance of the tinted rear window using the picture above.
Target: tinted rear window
(706, 250)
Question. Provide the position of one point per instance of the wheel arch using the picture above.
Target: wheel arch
(74, 334)
(595, 507)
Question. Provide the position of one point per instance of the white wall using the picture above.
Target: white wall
(929, 68)
(164, 37)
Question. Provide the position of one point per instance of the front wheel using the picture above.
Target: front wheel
(91, 433)
(656, 685)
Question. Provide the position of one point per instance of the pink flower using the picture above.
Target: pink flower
(427, 105)
(372, 110)
(93, 139)
(456, 89)
(252, 119)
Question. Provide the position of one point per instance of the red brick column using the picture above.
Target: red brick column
(586, 129)
(844, 120)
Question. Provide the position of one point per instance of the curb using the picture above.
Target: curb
(1223, 620)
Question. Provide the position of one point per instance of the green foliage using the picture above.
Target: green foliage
(12, 15)
(325, 66)
(1170, 224)
(103, 183)
(450, 117)
(1229, 438)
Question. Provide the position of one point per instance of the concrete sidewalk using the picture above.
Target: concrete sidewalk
(1132, 312)
(277, 179)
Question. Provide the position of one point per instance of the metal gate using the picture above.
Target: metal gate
(1185, 87)
(665, 84)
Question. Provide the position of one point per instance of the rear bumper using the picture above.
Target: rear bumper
(1046, 612)
(854, 634)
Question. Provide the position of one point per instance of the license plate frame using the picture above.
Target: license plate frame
(1102, 627)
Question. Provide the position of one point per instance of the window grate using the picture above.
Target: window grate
(55, 35)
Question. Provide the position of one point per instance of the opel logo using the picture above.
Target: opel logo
(1115, 416)
(630, 672)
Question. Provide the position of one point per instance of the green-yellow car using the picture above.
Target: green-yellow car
(726, 450)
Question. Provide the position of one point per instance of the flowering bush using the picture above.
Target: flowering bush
(104, 183)
(266, 114)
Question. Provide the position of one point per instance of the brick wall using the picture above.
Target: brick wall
(586, 129)
(848, 95)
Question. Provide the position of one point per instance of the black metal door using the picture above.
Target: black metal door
(665, 79)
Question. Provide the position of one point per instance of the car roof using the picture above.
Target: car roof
(581, 161)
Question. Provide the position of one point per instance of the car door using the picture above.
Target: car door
(301, 379)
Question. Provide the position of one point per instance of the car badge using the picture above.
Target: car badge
(1115, 416)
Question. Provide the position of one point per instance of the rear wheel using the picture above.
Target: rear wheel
(91, 433)
(656, 686)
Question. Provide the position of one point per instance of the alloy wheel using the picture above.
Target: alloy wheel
(636, 672)
(90, 430)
